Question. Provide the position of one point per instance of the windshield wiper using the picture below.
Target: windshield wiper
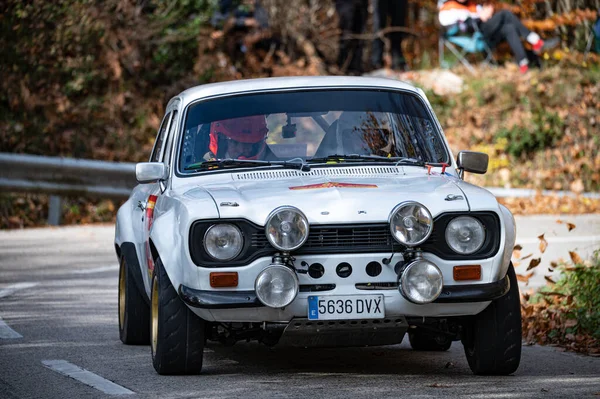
(236, 163)
(367, 158)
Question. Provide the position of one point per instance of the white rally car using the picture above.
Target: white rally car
(313, 211)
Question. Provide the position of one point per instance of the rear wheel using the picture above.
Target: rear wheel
(492, 339)
(422, 341)
(177, 333)
(134, 314)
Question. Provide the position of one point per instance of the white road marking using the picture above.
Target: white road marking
(6, 332)
(590, 239)
(11, 289)
(87, 377)
(97, 270)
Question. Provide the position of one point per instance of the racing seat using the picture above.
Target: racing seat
(353, 133)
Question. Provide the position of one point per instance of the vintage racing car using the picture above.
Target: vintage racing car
(313, 211)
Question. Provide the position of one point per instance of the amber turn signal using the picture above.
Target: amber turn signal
(470, 272)
(223, 279)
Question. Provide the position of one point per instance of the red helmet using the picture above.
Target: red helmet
(249, 129)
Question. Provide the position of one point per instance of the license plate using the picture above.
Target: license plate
(343, 307)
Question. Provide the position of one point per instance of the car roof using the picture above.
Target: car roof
(286, 83)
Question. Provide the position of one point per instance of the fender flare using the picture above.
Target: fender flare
(510, 236)
(169, 245)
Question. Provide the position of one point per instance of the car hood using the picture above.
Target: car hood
(333, 199)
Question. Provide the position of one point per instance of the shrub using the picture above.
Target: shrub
(545, 130)
(567, 313)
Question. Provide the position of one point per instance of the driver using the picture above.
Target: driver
(239, 138)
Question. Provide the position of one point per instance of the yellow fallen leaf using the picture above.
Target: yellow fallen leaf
(571, 226)
(543, 243)
(524, 277)
(575, 257)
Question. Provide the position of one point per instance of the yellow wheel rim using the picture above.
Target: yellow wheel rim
(122, 294)
(154, 314)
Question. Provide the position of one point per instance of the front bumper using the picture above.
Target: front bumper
(240, 304)
(248, 299)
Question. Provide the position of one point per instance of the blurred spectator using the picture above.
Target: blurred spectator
(389, 13)
(235, 21)
(352, 16)
(495, 27)
(597, 32)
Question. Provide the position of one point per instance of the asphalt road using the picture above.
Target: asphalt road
(58, 313)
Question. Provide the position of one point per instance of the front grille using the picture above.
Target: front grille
(365, 238)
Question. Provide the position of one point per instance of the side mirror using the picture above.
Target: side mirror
(150, 172)
(471, 161)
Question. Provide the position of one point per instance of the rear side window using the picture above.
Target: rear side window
(160, 139)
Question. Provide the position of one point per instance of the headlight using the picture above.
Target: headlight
(286, 228)
(223, 241)
(465, 235)
(422, 282)
(276, 286)
(411, 223)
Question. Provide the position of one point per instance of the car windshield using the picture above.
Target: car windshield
(317, 126)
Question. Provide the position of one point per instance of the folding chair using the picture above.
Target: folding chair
(472, 43)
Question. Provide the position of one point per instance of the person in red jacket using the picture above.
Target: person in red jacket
(495, 27)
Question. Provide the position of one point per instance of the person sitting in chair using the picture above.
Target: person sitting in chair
(495, 27)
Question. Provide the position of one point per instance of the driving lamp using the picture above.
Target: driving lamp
(276, 286)
(421, 282)
(286, 228)
(411, 223)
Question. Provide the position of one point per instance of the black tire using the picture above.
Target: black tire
(177, 334)
(493, 338)
(134, 313)
(421, 341)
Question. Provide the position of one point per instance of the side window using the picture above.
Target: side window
(160, 139)
(171, 138)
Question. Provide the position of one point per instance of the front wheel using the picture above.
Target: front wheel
(492, 340)
(177, 334)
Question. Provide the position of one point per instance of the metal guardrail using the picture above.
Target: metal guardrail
(65, 177)
(82, 177)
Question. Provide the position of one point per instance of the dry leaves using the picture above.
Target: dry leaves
(534, 263)
(551, 205)
(553, 315)
(524, 277)
(549, 279)
(543, 243)
(575, 258)
(570, 226)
